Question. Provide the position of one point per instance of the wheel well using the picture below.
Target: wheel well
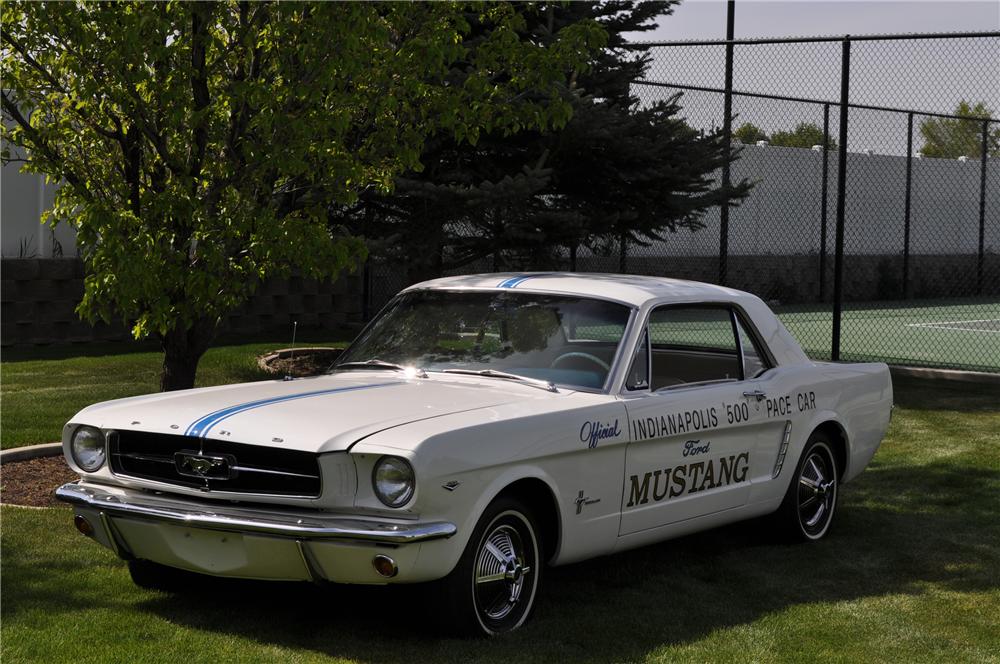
(839, 439)
(537, 495)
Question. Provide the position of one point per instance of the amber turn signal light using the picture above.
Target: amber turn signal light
(83, 525)
(385, 566)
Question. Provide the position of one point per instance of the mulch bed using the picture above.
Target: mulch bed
(298, 362)
(34, 482)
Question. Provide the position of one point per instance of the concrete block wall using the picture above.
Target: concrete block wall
(38, 298)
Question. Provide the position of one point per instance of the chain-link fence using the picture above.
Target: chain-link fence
(896, 255)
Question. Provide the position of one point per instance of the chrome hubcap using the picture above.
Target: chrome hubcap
(817, 491)
(501, 573)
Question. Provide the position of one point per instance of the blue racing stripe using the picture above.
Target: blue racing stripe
(201, 426)
(513, 281)
(506, 283)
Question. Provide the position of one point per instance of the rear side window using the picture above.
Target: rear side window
(693, 344)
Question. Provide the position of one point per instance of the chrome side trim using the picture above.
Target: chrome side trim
(211, 517)
(782, 449)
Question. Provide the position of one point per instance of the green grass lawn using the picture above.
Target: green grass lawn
(43, 387)
(910, 572)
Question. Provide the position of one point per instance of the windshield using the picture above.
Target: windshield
(563, 339)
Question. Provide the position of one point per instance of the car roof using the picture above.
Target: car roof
(631, 289)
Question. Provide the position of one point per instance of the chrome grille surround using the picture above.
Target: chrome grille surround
(249, 469)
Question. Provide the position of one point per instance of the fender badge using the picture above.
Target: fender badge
(582, 500)
(450, 486)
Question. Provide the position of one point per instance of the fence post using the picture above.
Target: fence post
(366, 291)
(984, 155)
(838, 257)
(906, 206)
(572, 258)
(822, 208)
(366, 277)
(727, 137)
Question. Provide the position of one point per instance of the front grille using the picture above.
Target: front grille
(247, 468)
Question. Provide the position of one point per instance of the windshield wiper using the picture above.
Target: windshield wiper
(546, 385)
(380, 364)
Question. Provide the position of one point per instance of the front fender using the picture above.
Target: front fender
(466, 504)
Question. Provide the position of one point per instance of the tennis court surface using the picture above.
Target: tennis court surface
(957, 334)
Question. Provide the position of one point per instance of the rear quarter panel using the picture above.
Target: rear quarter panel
(857, 398)
(864, 405)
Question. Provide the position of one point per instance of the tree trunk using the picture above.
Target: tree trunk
(182, 349)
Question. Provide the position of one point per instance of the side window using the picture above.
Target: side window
(692, 344)
(638, 373)
(754, 362)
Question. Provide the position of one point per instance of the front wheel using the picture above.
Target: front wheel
(807, 509)
(493, 587)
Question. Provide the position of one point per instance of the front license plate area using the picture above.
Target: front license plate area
(213, 552)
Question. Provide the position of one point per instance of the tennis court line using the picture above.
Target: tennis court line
(951, 325)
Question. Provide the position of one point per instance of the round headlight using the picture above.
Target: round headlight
(393, 481)
(87, 446)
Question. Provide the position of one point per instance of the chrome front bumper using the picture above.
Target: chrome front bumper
(131, 505)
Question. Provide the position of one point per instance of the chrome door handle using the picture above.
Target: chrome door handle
(757, 394)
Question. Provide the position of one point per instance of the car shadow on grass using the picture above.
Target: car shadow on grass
(897, 531)
(942, 395)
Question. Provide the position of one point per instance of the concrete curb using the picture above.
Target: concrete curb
(978, 377)
(30, 452)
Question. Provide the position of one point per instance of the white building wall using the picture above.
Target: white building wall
(23, 199)
(781, 216)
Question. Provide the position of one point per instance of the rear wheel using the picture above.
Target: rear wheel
(807, 509)
(492, 589)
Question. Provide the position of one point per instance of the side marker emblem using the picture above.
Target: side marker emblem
(582, 500)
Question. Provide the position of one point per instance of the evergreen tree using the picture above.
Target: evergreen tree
(618, 169)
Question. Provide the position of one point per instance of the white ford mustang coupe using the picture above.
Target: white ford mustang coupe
(481, 428)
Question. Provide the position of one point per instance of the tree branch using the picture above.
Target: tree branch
(47, 75)
(199, 87)
(39, 144)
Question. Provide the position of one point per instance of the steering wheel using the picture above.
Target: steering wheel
(587, 356)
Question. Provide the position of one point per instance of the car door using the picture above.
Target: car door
(699, 432)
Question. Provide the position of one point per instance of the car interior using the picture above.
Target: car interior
(692, 345)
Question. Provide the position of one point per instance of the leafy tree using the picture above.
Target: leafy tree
(749, 134)
(617, 169)
(200, 145)
(805, 135)
(950, 138)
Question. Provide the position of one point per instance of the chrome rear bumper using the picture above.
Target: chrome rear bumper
(132, 505)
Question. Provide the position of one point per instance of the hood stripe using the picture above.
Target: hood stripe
(201, 426)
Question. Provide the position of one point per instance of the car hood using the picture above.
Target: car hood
(322, 414)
